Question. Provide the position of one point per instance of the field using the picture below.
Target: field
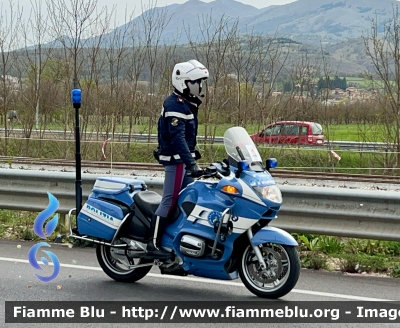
(289, 156)
(350, 132)
(342, 132)
(354, 132)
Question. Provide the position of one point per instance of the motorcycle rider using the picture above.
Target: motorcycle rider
(177, 132)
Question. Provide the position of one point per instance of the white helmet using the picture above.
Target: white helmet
(191, 70)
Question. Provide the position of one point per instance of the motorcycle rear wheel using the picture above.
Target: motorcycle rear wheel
(117, 270)
(281, 275)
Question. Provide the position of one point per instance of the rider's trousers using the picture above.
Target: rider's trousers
(175, 181)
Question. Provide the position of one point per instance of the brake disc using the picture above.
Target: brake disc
(273, 261)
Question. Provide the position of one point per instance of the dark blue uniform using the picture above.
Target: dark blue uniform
(177, 132)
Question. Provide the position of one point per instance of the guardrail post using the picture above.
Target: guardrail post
(67, 223)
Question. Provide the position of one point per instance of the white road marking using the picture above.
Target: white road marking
(211, 281)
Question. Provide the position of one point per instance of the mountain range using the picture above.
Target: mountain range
(302, 20)
(338, 25)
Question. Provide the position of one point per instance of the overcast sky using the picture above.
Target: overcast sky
(133, 6)
(125, 10)
(136, 5)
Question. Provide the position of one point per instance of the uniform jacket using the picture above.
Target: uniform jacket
(177, 130)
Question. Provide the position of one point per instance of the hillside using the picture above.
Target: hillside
(322, 20)
(336, 26)
(302, 20)
(309, 21)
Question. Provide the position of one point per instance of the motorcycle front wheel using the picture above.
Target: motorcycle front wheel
(280, 276)
(115, 264)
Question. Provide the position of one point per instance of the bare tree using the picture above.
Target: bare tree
(9, 26)
(269, 63)
(383, 48)
(73, 25)
(154, 21)
(116, 53)
(211, 49)
(135, 66)
(76, 27)
(36, 56)
(247, 65)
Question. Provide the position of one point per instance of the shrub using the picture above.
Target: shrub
(396, 271)
(309, 242)
(313, 260)
(28, 234)
(354, 263)
(349, 263)
(330, 245)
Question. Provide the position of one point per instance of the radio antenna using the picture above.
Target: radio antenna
(112, 131)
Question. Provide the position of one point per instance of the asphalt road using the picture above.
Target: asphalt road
(82, 279)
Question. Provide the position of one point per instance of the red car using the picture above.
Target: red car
(291, 132)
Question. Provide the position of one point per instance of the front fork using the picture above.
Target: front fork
(257, 251)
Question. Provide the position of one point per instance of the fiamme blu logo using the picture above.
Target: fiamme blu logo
(44, 231)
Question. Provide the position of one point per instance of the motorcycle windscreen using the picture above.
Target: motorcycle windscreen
(237, 137)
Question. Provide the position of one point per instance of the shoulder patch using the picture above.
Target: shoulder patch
(174, 121)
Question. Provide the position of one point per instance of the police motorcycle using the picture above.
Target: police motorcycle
(219, 230)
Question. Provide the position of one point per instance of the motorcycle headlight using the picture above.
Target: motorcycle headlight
(269, 192)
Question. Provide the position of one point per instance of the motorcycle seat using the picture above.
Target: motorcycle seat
(147, 202)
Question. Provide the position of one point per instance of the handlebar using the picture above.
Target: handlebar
(209, 175)
(210, 172)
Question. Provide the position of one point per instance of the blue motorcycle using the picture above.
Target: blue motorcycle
(219, 229)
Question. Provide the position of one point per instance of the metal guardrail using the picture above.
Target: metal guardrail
(152, 138)
(329, 211)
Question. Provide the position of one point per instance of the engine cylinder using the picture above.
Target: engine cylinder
(192, 246)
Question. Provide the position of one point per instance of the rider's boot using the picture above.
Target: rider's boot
(153, 248)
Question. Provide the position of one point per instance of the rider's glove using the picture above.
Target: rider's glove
(194, 171)
(155, 155)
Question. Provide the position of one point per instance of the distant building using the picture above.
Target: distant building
(11, 81)
(351, 89)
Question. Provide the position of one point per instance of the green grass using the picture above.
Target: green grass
(354, 132)
(342, 132)
(360, 82)
(19, 225)
(349, 254)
